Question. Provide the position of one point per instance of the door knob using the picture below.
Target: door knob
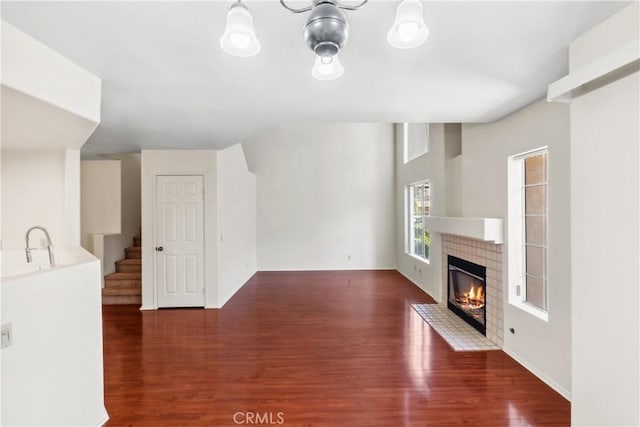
(159, 248)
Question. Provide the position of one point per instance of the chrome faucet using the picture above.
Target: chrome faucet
(49, 244)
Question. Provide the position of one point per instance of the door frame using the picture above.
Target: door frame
(179, 162)
(155, 235)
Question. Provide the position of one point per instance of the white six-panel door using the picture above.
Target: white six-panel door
(180, 241)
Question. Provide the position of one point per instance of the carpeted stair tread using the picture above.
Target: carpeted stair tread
(133, 252)
(130, 261)
(129, 265)
(121, 291)
(121, 299)
(123, 276)
(123, 284)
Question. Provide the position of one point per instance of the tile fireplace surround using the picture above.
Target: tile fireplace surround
(486, 254)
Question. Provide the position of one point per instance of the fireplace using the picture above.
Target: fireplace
(467, 292)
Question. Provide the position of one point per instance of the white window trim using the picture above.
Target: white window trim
(408, 203)
(408, 207)
(405, 139)
(516, 238)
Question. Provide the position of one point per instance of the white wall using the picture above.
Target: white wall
(616, 31)
(30, 67)
(41, 86)
(179, 162)
(543, 347)
(325, 197)
(52, 373)
(453, 168)
(114, 245)
(431, 166)
(604, 228)
(130, 197)
(41, 163)
(605, 236)
(72, 197)
(0, 266)
(100, 199)
(40, 188)
(236, 222)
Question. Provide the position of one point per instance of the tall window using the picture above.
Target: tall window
(418, 206)
(528, 220)
(416, 140)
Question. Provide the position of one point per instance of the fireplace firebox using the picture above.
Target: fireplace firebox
(467, 292)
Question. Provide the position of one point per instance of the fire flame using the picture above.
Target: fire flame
(475, 297)
(476, 294)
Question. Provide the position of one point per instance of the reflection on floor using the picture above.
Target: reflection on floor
(455, 331)
(321, 349)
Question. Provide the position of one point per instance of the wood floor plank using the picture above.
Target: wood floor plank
(320, 348)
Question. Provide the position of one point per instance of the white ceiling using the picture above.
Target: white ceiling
(167, 83)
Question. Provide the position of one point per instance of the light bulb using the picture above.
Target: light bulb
(327, 71)
(326, 59)
(408, 28)
(408, 31)
(240, 40)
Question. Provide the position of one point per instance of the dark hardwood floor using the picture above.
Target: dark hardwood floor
(311, 349)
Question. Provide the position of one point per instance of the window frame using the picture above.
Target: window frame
(409, 221)
(516, 224)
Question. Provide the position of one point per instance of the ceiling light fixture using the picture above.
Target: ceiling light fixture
(239, 38)
(408, 30)
(325, 31)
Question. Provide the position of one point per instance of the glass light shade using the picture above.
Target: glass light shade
(408, 28)
(323, 70)
(239, 38)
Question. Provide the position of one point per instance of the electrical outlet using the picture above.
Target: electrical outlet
(7, 335)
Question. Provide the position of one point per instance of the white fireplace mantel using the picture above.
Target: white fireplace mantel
(487, 229)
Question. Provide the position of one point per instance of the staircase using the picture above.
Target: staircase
(125, 285)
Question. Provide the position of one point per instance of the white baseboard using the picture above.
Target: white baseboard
(103, 419)
(326, 268)
(548, 381)
(418, 285)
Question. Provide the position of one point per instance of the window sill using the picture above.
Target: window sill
(418, 257)
(531, 309)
